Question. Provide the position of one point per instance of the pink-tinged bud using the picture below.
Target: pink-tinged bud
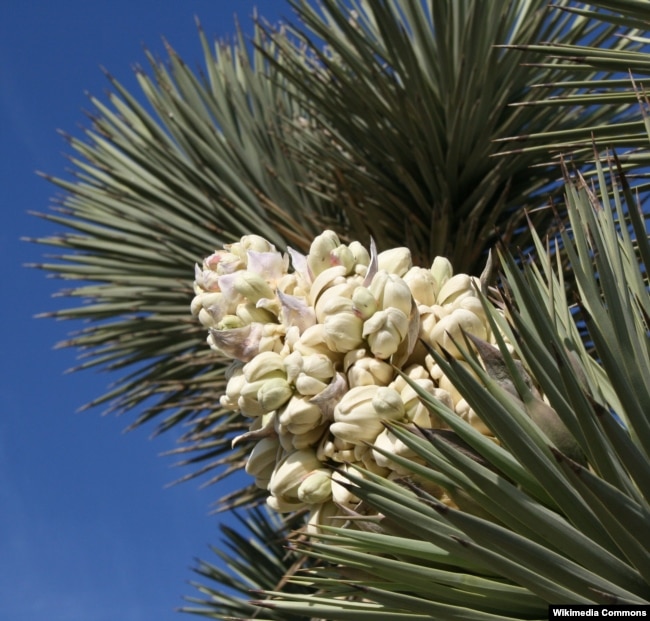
(319, 257)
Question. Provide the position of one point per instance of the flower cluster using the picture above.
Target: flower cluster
(315, 350)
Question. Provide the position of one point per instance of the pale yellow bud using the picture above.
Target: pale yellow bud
(451, 328)
(441, 271)
(291, 471)
(341, 495)
(355, 418)
(230, 322)
(456, 287)
(252, 286)
(309, 438)
(300, 415)
(312, 341)
(318, 366)
(316, 487)
(280, 505)
(256, 243)
(364, 302)
(385, 330)
(326, 279)
(261, 462)
(363, 370)
(249, 313)
(388, 403)
(342, 255)
(233, 390)
(319, 257)
(342, 327)
(395, 261)
(265, 365)
(274, 393)
(207, 319)
(422, 285)
(308, 385)
(387, 441)
(360, 254)
(343, 289)
(391, 291)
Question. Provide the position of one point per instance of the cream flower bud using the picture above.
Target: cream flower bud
(469, 415)
(300, 415)
(364, 302)
(342, 255)
(442, 271)
(318, 366)
(291, 471)
(308, 385)
(342, 328)
(233, 390)
(292, 363)
(249, 313)
(319, 257)
(274, 393)
(363, 370)
(261, 462)
(322, 515)
(387, 441)
(309, 439)
(340, 494)
(327, 278)
(360, 254)
(312, 341)
(343, 289)
(207, 319)
(316, 487)
(422, 285)
(388, 403)
(280, 505)
(385, 330)
(252, 286)
(451, 328)
(355, 419)
(395, 261)
(230, 322)
(456, 287)
(265, 365)
(391, 291)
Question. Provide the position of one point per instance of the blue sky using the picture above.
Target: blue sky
(88, 531)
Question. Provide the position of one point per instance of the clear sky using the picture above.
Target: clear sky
(88, 531)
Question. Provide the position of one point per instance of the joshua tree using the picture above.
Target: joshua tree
(437, 126)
